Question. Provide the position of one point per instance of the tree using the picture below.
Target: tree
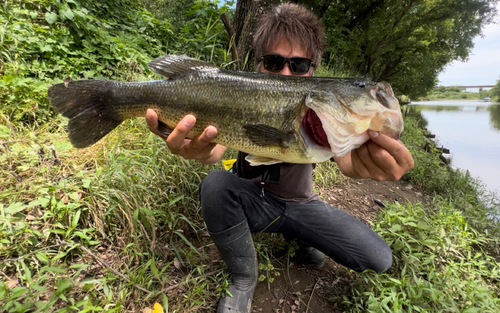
(404, 42)
(440, 89)
(495, 91)
(246, 18)
(484, 93)
(495, 116)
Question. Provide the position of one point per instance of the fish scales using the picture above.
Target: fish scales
(226, 102)
(237, 104)
(262, 114)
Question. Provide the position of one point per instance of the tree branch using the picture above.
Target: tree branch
(232, 38)
(365, 14)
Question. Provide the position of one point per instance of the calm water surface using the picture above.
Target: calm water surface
(471, 130)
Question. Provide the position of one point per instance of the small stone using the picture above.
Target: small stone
(12, 283)
(177, 264)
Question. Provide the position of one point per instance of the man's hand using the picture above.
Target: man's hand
(381, 158)
(199, 148)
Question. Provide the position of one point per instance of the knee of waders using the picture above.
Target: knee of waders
(218, 192)
(217, 183)
(382, 260)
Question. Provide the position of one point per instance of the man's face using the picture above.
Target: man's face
(285, 49)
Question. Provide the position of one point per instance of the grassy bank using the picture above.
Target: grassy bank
(446, 253)
(455, 93)
(117, 227)
(127, 200)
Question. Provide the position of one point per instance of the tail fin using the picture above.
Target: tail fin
(87, 105)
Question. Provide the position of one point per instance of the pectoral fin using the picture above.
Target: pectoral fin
(163, 129)
(265, 135)
(258, 160)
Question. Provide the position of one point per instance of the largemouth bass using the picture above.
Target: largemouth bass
(273, 118)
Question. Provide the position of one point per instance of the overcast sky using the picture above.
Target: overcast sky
(483, 66)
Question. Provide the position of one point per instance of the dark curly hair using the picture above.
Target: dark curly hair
(293, 23)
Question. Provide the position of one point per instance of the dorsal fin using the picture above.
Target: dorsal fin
(171, 65)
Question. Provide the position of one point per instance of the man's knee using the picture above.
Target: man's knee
(216, 190)
(382, 259)
(215, 184)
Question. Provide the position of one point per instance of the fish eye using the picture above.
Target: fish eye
(360, 84)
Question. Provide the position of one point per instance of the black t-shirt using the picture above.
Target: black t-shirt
(294, 183)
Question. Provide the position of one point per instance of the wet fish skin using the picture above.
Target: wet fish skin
(261, 114)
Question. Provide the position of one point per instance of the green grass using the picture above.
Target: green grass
(464, 95)
(440, 264)
(127, 199)
(455, 93)
(117, 227)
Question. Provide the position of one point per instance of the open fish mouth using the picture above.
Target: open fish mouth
(313, 129)
(339, 124)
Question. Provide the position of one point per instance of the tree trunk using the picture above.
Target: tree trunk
(246, 19)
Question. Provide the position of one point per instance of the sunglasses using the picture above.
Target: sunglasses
(275, 62)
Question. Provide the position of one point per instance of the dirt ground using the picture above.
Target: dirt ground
(301, 289)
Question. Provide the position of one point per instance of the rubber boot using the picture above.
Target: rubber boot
(307, 255)
(236, 248)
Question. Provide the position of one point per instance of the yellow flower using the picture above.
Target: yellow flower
(157, 308)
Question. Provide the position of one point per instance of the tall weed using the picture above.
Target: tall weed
(126, 200)
(43, 41)
(440, 265)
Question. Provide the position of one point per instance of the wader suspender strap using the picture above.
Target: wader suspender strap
(273, 173)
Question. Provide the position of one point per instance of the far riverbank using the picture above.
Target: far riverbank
(459, 98)
(455, 93)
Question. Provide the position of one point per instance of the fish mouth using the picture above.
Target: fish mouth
(385, 97)
(313, 129)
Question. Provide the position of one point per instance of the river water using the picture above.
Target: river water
(471, 130)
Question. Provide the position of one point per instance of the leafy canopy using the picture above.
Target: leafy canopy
(46, 40)
(404, 42)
